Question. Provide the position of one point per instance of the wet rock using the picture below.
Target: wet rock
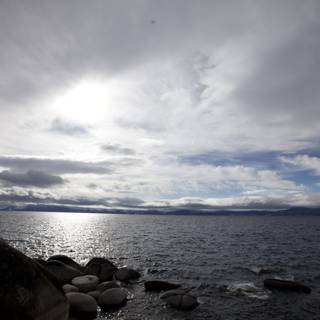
(102, 268)
(157, 285)
(27, 290)
(67, 260)
(70, 288)
(93, 268)
(86, 283)
(180, 299)
(126, 274)
(100, 260)
(103, 286)
(40, 261)
(94, 294)
(286, 285)
(61, 271)
(112, 298)
(82, 306)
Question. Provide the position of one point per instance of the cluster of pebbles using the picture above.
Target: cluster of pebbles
(101, 284)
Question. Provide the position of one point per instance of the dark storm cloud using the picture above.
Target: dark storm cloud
(117, 149)
(57, 166)
(30, 178)
(66, 128)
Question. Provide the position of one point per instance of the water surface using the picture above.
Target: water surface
(217, 256)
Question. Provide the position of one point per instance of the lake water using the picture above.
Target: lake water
(217, 256)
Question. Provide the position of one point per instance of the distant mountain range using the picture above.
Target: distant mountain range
(293, 211)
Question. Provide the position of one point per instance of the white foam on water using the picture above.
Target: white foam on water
(249, 289)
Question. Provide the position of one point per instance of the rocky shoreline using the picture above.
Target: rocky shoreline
(59, 288)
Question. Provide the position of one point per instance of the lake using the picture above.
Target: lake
(224, 259)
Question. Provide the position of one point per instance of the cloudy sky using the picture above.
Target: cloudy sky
(171, 103)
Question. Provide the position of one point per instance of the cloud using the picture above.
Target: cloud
(117, 149)
(30, 178)
(231, 92)
(57, 166)
(303, 162)
(240, 202)
(66, 128)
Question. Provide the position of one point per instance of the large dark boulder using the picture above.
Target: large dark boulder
(67, 260)
(27, 290)
(82, 306)
(102, 268)
(286, 285)
(61, 271)
(158, 285)
(126, 274)
(112, 298)
(100, 260)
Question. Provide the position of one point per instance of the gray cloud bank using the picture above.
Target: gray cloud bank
(30, 178)
(57, 166)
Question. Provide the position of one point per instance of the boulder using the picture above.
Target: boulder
(157, 285)
(82, 306)
(93, 268)
(180, 299)
(94, 294)
(40, 261)
(61, 271)
(66, 260)
(100, 260)
(86, 283)
(27, 290)
(286, 285)
(102, 268)
(70, 288)
(112, 298)
(126, 274)
(103, 286)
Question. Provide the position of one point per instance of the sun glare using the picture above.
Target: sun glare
(88, 101)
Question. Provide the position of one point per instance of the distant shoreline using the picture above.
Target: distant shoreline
(294, 211)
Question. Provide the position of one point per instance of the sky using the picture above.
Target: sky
(142, 104)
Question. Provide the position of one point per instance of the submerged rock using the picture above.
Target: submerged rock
(157, 285)
(27, 290)
(86, 283)
(126, 274)
(61, 271)
(82, 306)
(286, 285)
(102, 268)
(66, 260)
(180, 299)
(112, 298)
